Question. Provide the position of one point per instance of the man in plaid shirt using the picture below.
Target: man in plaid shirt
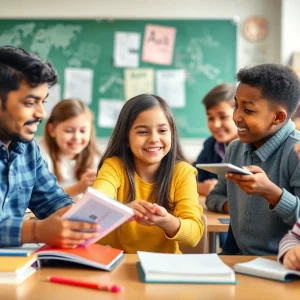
(25, 181)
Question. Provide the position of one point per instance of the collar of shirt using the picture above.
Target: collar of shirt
(220, 149)
(14, 146)
(272, 144)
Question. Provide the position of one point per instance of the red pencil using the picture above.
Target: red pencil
(91, 285)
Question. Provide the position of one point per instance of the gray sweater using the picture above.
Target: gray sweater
(257, 226)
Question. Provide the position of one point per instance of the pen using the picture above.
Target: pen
(91, 285)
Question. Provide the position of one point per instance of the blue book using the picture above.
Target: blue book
(268, 269)
(186, 268)
(13, 253)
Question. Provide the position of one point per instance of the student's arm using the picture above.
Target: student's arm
(289, 241)
(57, 232)
(108, 179)
(206, 180)
(187, 209)
(204, 188)
(217, 198)
(288, 207)
(87, 179)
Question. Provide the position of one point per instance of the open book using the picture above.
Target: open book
(266, 268)
(98, 208)
(186, 268)
(15, 269)
(96, 256)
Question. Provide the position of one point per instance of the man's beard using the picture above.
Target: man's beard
(10, 136)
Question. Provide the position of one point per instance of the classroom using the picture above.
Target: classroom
(101, 51)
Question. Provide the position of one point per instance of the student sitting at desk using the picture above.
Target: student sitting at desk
(219, 105)
(25, 179)
(69, 146)
(144, 167)
(266, 204)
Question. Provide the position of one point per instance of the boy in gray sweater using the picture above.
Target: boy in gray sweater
(265, 205)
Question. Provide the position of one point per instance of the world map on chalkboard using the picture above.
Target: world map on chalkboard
(204, 49)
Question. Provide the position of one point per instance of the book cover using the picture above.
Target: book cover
(187, 268)
(96, 207)
(268, 269)
(94, 255)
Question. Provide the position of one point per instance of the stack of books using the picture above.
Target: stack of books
(16, 267)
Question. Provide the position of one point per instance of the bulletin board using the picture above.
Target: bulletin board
(205, 49)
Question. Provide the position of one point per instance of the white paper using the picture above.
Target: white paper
(108, 113)
(79, 84)
(170, 85)
(126, 49)
(138, 81)
(52, 99)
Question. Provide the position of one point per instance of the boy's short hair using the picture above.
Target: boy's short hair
(278, 84)
(221, 93)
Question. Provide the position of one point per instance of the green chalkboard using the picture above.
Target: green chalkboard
(206, 49)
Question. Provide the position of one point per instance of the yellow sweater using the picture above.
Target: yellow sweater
(131, 236)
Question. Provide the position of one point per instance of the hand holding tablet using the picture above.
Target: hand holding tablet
(223, 168)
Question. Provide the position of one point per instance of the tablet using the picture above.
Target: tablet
(222, 169)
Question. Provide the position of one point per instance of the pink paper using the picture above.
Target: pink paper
(158, 44)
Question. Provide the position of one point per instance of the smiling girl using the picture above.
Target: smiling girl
(69, 146)
(144, 168)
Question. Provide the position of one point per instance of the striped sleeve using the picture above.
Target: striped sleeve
(290, 240)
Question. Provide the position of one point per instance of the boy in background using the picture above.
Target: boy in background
(266, 204)
(219, 105)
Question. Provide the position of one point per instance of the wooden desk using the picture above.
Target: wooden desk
(38, 288)
(213, 225)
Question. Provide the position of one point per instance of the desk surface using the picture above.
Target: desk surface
(38, 288)
(213, 224)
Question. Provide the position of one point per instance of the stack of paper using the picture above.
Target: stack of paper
(188, 268)
(15, 269)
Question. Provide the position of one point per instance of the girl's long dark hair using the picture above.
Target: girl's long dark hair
(119, 141)
(64, 110)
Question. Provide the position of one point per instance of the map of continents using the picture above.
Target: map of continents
(42, 40)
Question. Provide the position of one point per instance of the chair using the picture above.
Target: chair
(201, 246)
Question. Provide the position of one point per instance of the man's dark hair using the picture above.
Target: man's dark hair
(17, 65)
(278, 84)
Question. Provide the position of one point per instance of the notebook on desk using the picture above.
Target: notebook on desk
(266, 268)
(183, 268)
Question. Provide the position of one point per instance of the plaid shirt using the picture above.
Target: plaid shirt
(25, 181)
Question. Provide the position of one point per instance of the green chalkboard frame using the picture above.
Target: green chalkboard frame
(206, 49)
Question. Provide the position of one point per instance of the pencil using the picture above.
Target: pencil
(91, 285)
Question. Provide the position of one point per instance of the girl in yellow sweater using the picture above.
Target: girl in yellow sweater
(144, 167)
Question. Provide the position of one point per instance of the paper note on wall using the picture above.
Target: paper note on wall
(138, 81)
(79, 84)
(108, 112)
(158, 46)
(170, 85)
(52, 99)
(126, 49)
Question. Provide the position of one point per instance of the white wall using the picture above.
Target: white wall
(290, 41)
(248, 53)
